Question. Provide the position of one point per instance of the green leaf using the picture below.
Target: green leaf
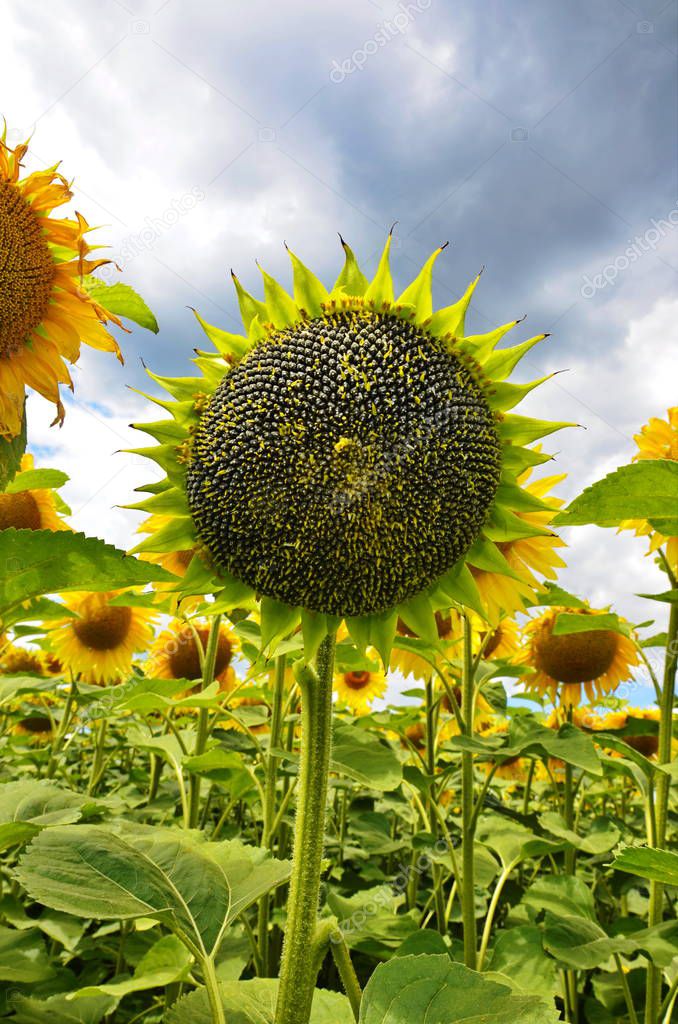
(641, 490)
(61, 1009)
(122, 300)
(167, 961)
(196, 888)
(27, 806)
(566, 623)
(581, 943)
(657, 865)
(519, 954)
(561, 894)
(10, 454)
(601, 837)
(37, 562)
(23, 957)
(436, 990)
(253, 1002)
(371, 921)
(37, 479)
(365, 758)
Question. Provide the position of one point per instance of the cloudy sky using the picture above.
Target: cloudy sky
(539, 138)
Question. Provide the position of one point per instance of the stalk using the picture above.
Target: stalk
(467, 798)
(297, 974)
(270, 787)
(654, 974)
(203, 718)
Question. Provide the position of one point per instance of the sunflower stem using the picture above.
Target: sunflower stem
(297, 975)
(270, 789)
(209, 662)
(467, 809)
(663, 779)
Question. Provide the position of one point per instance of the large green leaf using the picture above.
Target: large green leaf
(196, 888)
(23, 957)
(37, 562)
(365, 758)
(657, 865)
(122, 300)
(519, 953)
(434, 990)
(61, 1010)
(167, 961)
(642, 490)
(253, 1002)
(580, 943)
(569, 623)
(369, 920)
(561, 894)
(27, 806)
(36, 479)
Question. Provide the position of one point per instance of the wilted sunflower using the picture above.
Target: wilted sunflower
(46, 313)
(175, 654)
(351, 455)
(358, 690)
(596, 661)
(31, 508)
(658, 439)
(100, 642)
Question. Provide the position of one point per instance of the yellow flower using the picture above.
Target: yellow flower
(37, 728)
(175, 654)
(30, 509)
(597, 660)
(359, 690)
(100, 642)
(504, 595)
(16, 661)
(46, 313)
(658, 439)
(410, 662)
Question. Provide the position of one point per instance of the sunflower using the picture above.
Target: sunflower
(100, 642)
(358, 690)
(46, 313)
(483, 715)
(175, 654)
(16, 660)
(176, 562)
(349, 457)
(29, 508)
(658, 439)
(409, 661)
(37, 728)
(596, 660)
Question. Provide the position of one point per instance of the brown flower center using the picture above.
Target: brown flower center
(26, 270)
(575, 657)
(356, 680)
(184, 659)
(36, 724)
(18, 510)
(103, 629)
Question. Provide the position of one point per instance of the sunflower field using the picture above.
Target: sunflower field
(214, 806)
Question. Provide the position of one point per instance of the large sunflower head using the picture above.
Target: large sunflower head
(100, 640)
(175, 653)
(30, 508)
(350, 455)
(658, 439)
(46, 312)
(562, 665)
(359, 689)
